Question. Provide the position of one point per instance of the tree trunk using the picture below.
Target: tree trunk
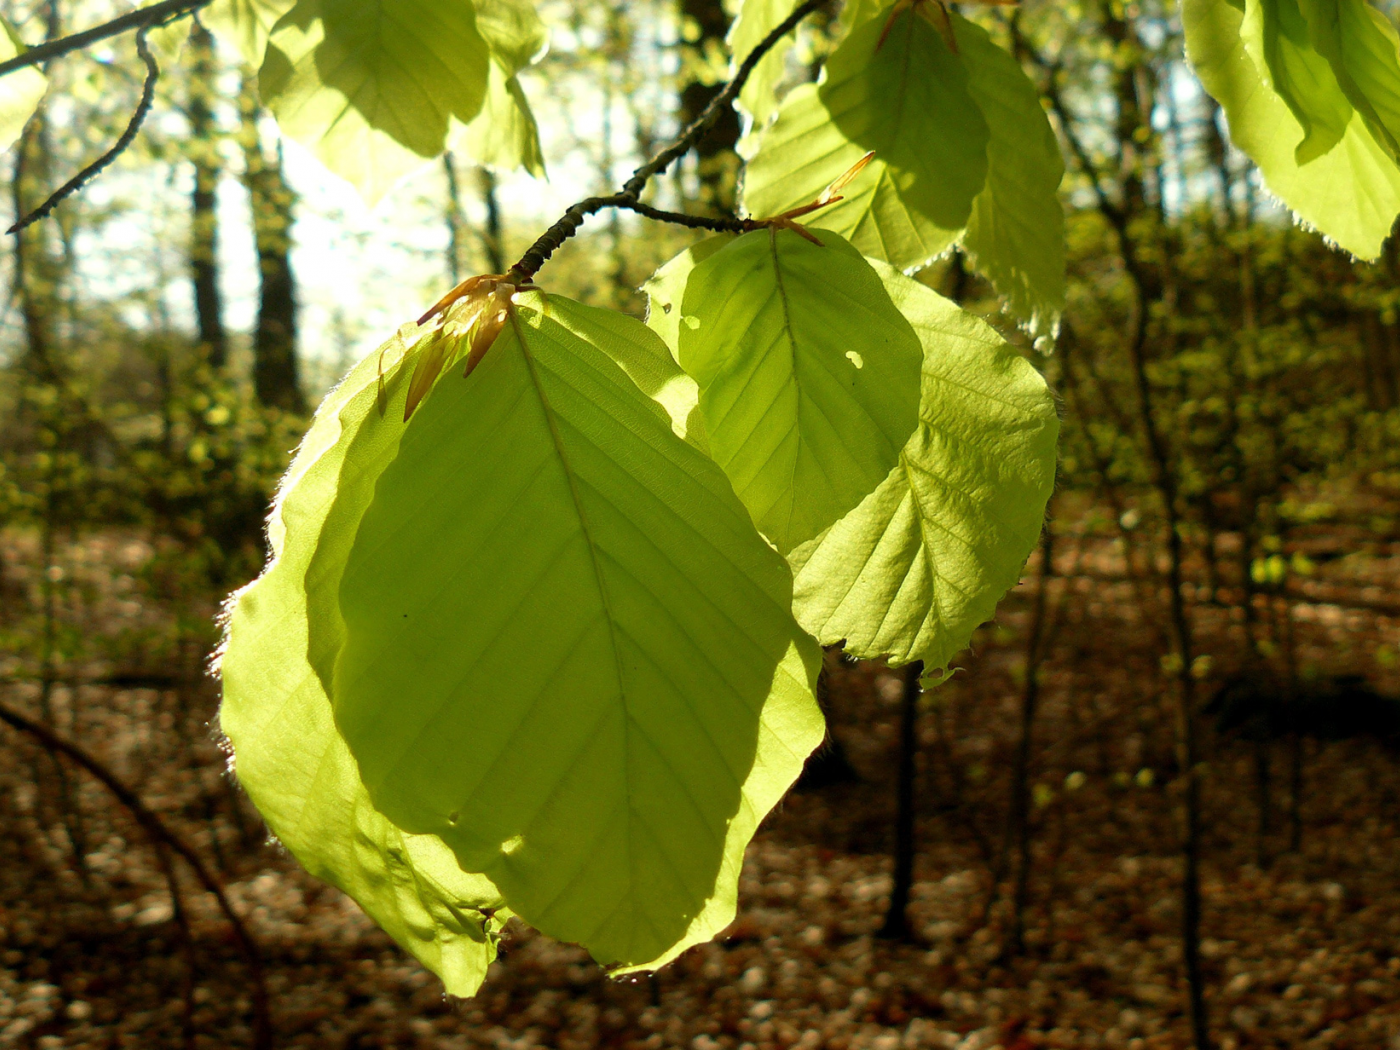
(456, 221)
(897, 919)
(1019, 826)
(35, 266)
(492, 238)
(204, 224)
(275, 378)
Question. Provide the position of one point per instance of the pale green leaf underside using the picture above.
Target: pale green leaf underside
(565, 650)
(755, 20)
(504, 134)
(372, 86)
(911, 573)
(513, 30)
(1275, 35)
(1362, 47)
(910, 103)
(808, 376)
(20, 92)
(293, 762)
(1016, 233)
(1351, 193)
(665, 289)
(246, 24)
(855, 13)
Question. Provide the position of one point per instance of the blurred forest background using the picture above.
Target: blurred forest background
(1230, 388)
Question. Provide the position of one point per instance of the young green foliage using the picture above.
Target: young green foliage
(1363, 50)
(1351, 192)
(521, 646)
(949, 130)
(808, 376)
(20, 92)
(665, 289)
(754, 21)
(246, 24)
(907, 99)
(373, 89)
(292, 761)
(1016, 233)
(1276, 36)
(922, 562)
(371, 86)
(557, 643)
(504, 134)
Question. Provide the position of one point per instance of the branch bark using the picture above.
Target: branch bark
(78, 181)
(143, 18)
(162, 838)
(630, 194)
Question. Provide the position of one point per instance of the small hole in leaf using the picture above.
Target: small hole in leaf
(452, 818)
(855, 358)
(665, 308)
(691, 321)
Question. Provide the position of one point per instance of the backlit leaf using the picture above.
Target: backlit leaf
(20, 92)
(562, 647)
(1364, 52)
(1351, 193)
(808, 376)
(245, 23)
(1016, 234)
(1276, 36)
(665, 289)
(504, 134)
(910, 103)
(755, 20)
(911, 573)
(372, 86)
(514, 32)
(293, 762)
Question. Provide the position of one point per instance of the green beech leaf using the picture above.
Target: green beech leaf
(910, 573)
(293, 762)
(910, 103)
(665, 289)
(855, 13)
(20, 92)
(1351, 193)
(1016, 234)
(504, 134)
(372, 86)
(246, 24)
(1361, 46)
(808, 376)
(513, 30)
(755, 20)
(563, 649)
(1276, 36)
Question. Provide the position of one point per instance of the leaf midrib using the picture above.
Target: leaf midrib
(548, 410)
(796, 378)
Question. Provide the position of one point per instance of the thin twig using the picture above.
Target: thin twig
(631, 191)
(78, 181)
(182, 923)
(163, 838)
(694, 222)
(143, 18)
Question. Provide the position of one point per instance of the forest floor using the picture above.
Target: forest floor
(1301, 949)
